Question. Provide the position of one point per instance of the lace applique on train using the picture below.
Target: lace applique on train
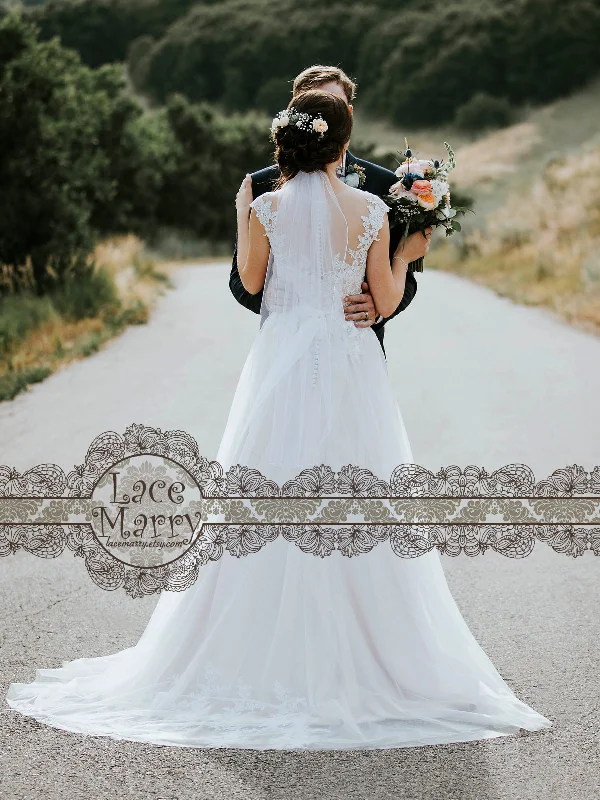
(231, 711)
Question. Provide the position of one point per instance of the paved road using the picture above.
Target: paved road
(480, 381)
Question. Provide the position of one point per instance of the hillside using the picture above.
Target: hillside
(420, 58)
(535, 236)
(141, 116)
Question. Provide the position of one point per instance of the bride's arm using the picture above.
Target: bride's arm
(253, 252)
(252, 243)
(386, 285)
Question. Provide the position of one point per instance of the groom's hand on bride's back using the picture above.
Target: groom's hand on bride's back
(360, 308)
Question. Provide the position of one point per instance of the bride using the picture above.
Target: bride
(282, 649)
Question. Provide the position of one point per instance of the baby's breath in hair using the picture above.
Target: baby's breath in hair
(301, 120)
(311, 133)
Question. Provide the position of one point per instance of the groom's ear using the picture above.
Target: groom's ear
(351, 107)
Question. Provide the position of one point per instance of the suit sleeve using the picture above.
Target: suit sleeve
(410, 290)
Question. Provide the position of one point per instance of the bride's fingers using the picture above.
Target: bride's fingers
(244, 195)
(245, 185)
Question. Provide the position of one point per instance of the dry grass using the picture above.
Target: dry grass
(388, 138)
(542, 247)
(134, 272)
(58, 340)
(535, 235)
(495, 156)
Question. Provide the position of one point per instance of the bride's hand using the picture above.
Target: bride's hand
(416, 246)
(244, 196)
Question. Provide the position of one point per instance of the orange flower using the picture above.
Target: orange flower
(421, 187)
(426, 201)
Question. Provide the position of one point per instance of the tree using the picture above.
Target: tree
(212, 155)
(52, 169)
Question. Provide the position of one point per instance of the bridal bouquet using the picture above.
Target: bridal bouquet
(421, 198)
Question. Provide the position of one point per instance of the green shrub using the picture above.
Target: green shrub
(213, 153)
(14, 382)
(87, 296)
(19, 315)
(82, 158)
(135, 314)
(52, 172)
(90, 343)
(273, 95)
(418, 59)
(484, 111)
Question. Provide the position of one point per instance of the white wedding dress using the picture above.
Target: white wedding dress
(281, 648)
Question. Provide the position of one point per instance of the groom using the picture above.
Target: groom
(360, 310)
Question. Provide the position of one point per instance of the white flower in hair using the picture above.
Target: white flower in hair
(319, 125)
(280, 121)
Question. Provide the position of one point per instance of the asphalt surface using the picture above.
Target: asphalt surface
(480, 381)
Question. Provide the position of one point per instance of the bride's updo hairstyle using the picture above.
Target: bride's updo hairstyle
(304, 150)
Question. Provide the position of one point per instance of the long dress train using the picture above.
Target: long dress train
(282, 649)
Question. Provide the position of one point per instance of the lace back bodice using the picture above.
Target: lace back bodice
(350, 272)
(295, 261)
(318, 256)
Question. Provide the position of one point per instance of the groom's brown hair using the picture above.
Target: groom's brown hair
(315, 77)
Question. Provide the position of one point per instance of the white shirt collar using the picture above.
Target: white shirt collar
(341, 170)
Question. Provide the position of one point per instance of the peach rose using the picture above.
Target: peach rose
(426, 201)
(421, 187)
(398, 190)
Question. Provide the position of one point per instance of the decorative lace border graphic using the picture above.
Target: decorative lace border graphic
(470, 511)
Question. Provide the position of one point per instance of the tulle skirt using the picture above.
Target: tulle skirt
(282, 649)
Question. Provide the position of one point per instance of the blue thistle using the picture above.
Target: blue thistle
(409, 179)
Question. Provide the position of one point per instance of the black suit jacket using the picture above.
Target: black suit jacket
(377, 181)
